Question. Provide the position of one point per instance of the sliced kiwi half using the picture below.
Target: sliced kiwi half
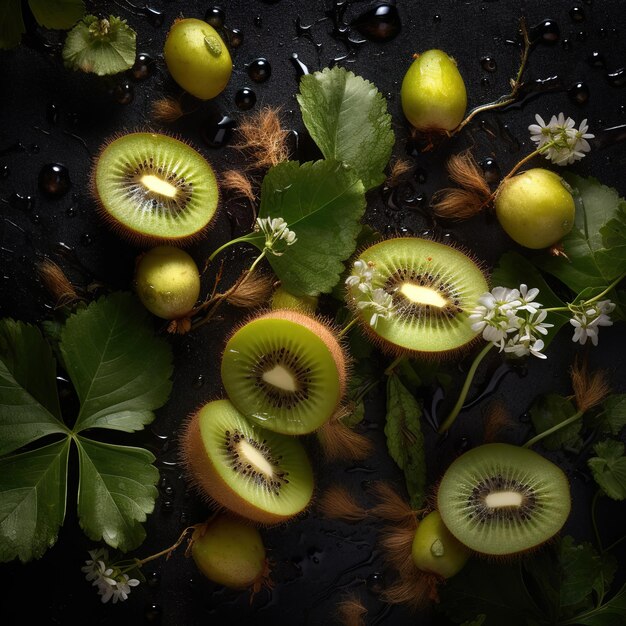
(262, 476)
(285, 370)
(433, 287)
(153, 187)
(500, 499)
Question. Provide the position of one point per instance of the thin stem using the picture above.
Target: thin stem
(365, 390)
(554, 429)
(226, 245)
(523, 162)
(167, 551)
(394, 364)
(464, 391)
(614, 544)
(594, 522)
(347, 327)
(607, 290)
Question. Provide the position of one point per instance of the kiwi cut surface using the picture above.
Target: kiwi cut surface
(262, 476)
(156, 188)
(433, 288)
(285, 370)
(500, 499)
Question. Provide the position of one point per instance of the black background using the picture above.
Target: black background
(316, 561)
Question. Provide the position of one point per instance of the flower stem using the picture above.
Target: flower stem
(347, 327)
(607, 290)
(464, 391)
(224, 246)
(167, 551)
(553, 429)
(389, 371)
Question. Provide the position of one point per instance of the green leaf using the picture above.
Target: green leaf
(348, 120)
(609, 468)
(405, 440)
(322, 202)
(121, 371)
(595, 248)
(28, 395)
(59, 14)
(548, 411)
(11, 24)
(611, 613)
(100, 46)
(116, 492)
(32, 501)
(582, 571)
(513, 270)
(613, 416)
(479, 620)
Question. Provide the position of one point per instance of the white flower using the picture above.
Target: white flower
(95, 566)
(495, 316)
(381, 303)
(523, 345)
(586, 323)
(526, 298)
(535, 324)
(109, 580)
(122, 588)
(275, 230)
(361, 276)
(559, 140)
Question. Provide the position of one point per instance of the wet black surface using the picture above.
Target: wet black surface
(49, 115)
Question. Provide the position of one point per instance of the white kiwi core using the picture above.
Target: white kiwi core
(501, 499)
(158, 186)
(423, 295)
(254, 457)
(280, 377)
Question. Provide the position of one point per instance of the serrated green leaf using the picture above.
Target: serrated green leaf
(116, 492)
(548, 411)
(609, 468)
(322, 202)
(595, 247)
(582, 571)
(11, 24)
(347, 118)
(100, 46)
(512, 270)
(29, 401)
(60, 14)
(611, 613)
(121, 371)
(32, 501)
(613, 416)
(405, 440)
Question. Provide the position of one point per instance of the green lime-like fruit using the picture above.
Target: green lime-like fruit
(167, 282)
(229, 552)
(433, 93)
(282, 299)
(435, 549)
(535, 208)
(197, 58)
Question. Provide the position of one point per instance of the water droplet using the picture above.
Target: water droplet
(382, 23)
(70, 211)
(169, 491)
(581, 35)
(198, 381)
(215, 16)
(484, 82)
(34, 148)
(579, 93)
(86, 239)
(235, 37)
(566, 44)
(52, 112)
(603, 33)
(54, 180)
(124, 93)
(491, 170)
(376, 582)
(143, 67)
(245, 99)
(5, 172)
(259, 70)
(577, 14)
(167, 506)
(436, 18)
(617, 78)
(489, 64)
(547, 32)
(218, 132)
(258, 21)
(301, 68)
(462, 445)
(21, 202)
(596, 59)
(153, 579)
(314, 555)
(153, 614)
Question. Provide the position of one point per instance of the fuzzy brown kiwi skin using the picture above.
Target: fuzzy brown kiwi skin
(323, 328)
(136, 237)
(396, 351)
(207, 481)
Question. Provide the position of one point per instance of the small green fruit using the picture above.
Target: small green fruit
(167, 282)
(229, 552)
(433, 93)
(535, 208)
(197, 58)
(282, 299)
(435, 550)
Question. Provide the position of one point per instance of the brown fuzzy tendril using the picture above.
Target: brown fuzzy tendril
(338, 503)
(397, 171)
(180, 326)
(57, 283)
(263, 138)
(497, 419)
(254, 292)
(391, 506)
(166, 110)
(351, 612)
(415, 591)
(239, 184)
(590, 389)
(340, 442)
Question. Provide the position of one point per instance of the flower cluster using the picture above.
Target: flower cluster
(587, 320)
(111, 582)
(275, 230)
(559, 140)
(512, 320)
(378, 301)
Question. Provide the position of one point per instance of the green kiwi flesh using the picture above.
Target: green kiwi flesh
(261, 476)
(284, 370)
(433, 286)
(154, 187)
(500, 499)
